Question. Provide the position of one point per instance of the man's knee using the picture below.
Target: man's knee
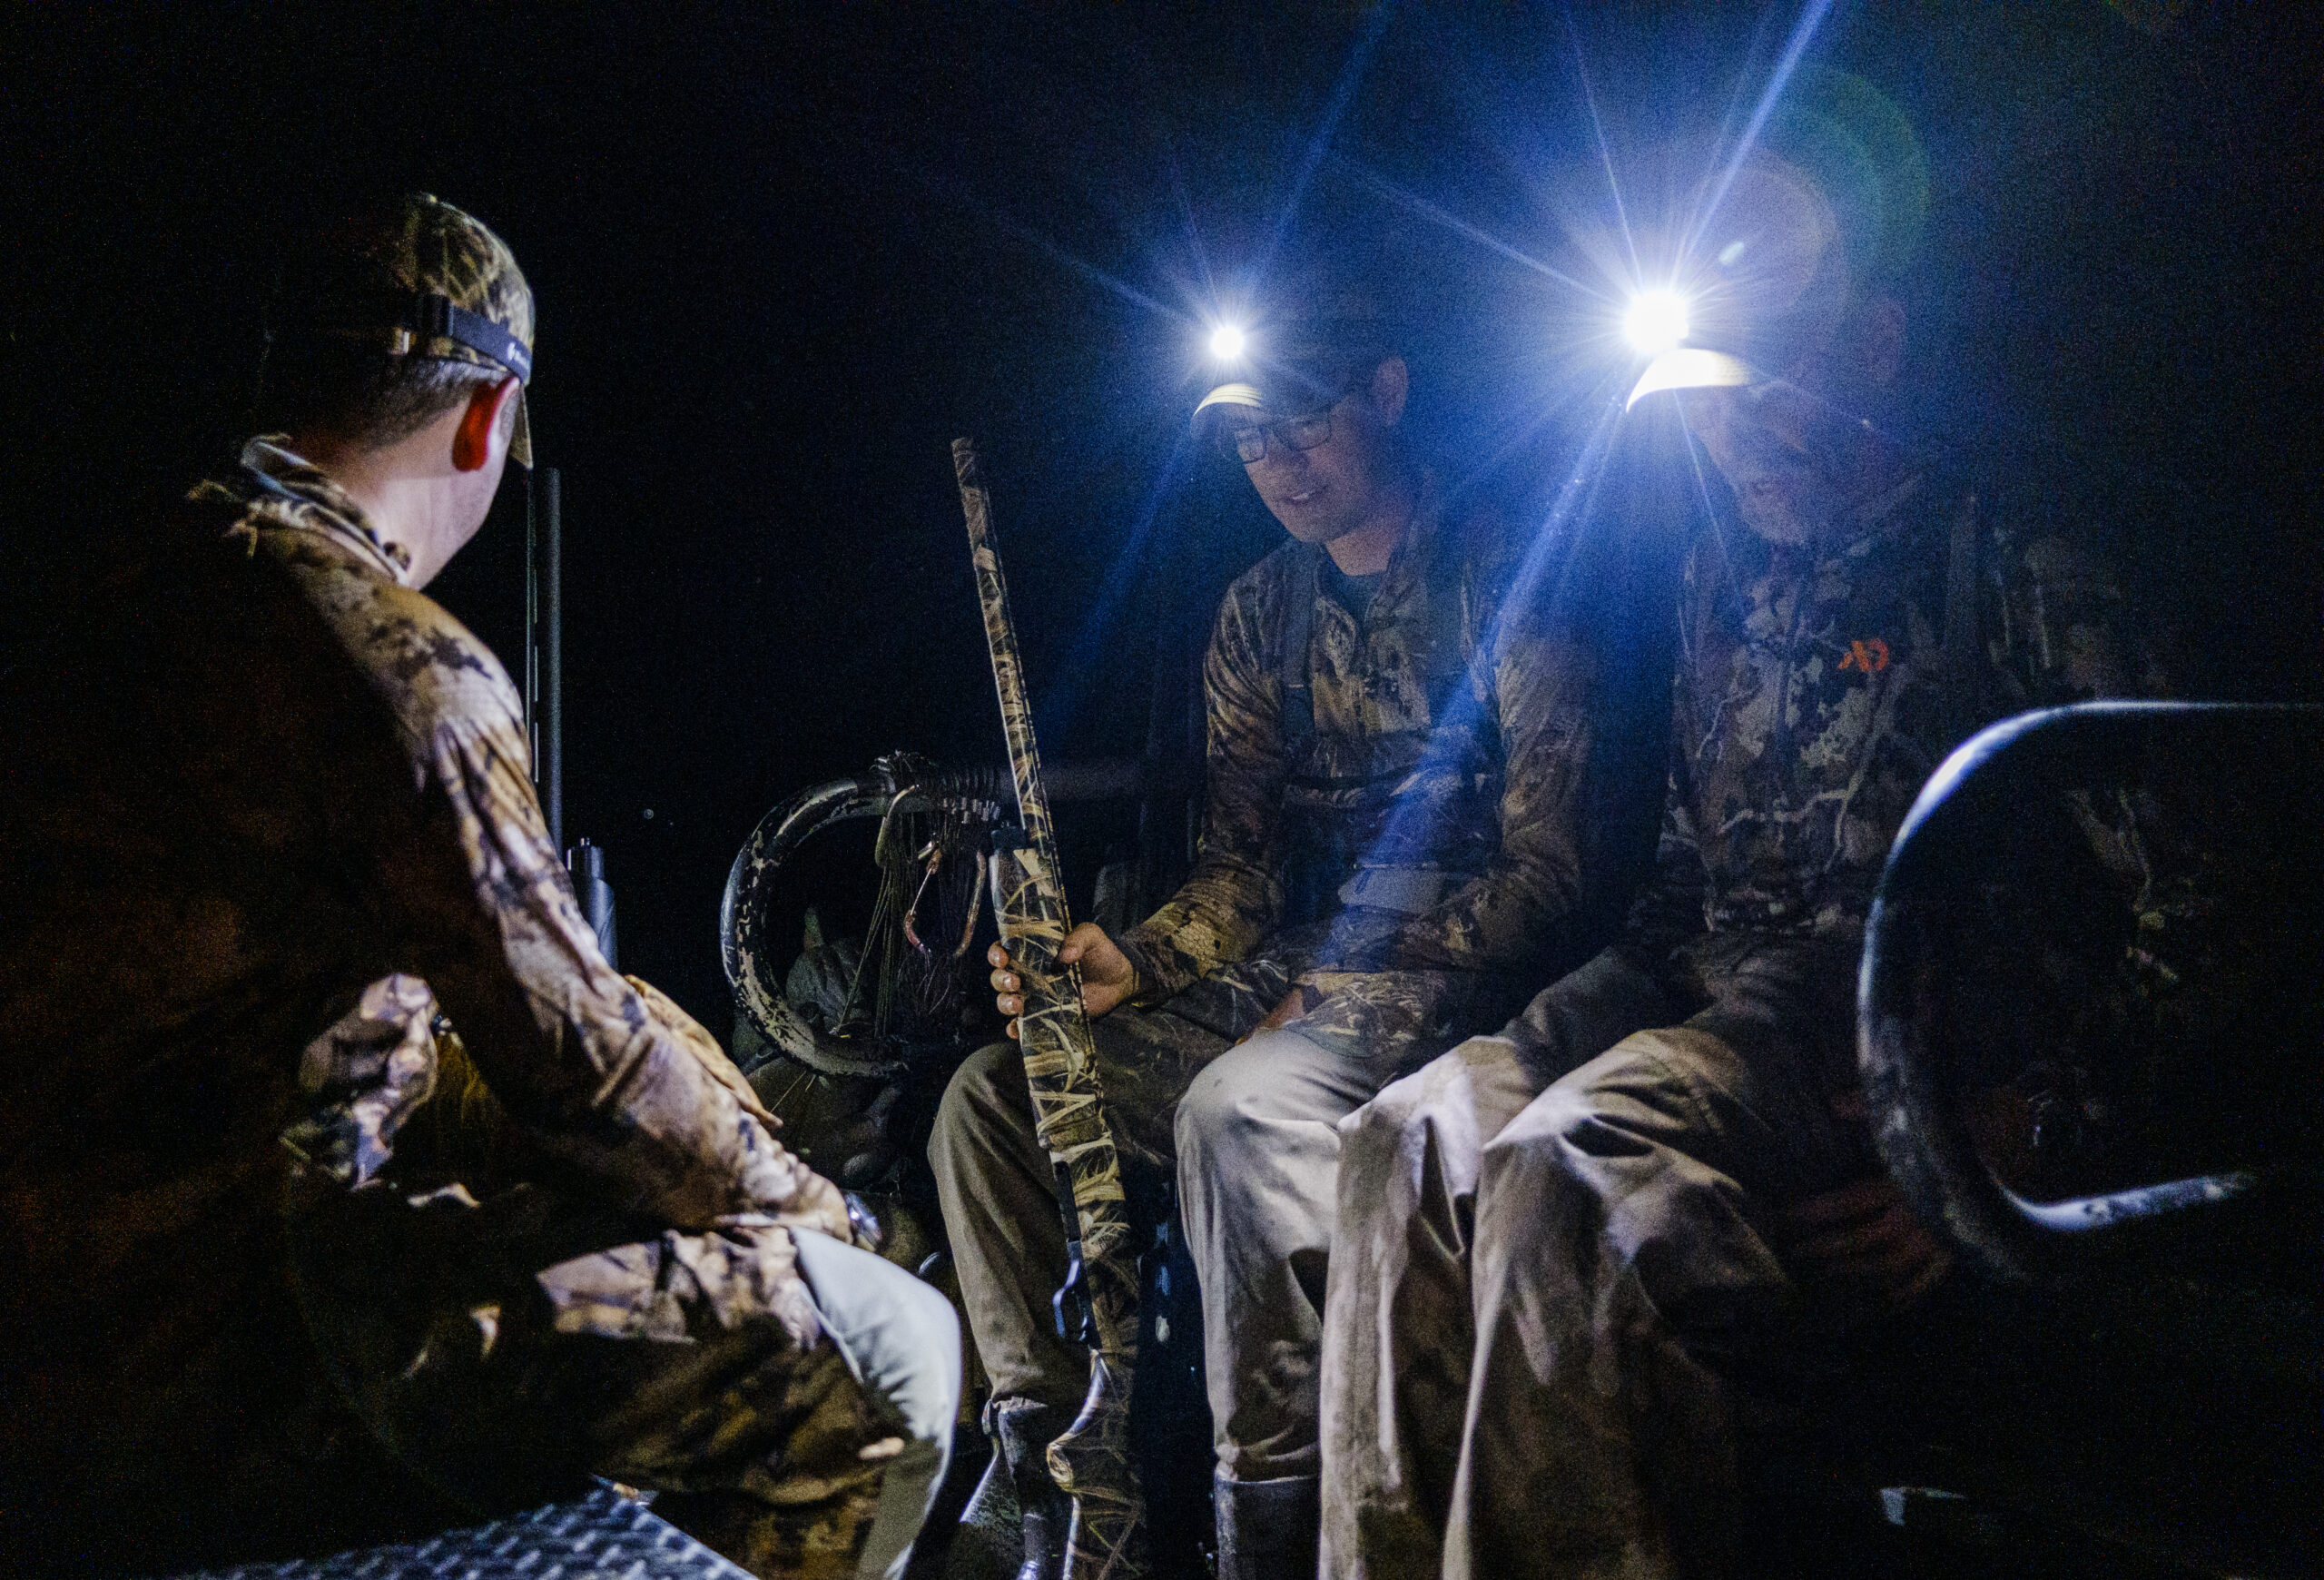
(1398, 1109)
(1564, 1108)
(1638, 1084)
(1380, 1141)
(1633, 1127)
(1584, 1111)
(928, 1330)
(1648, 1091)
(1231, 1105)
(1454, 1097)
(902, 1337)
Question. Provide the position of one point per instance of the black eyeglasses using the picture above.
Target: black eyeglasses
(1239, 438)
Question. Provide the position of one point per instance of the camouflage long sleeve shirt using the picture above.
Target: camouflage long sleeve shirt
(255, 774)
(1810, 699)
(1449, 733)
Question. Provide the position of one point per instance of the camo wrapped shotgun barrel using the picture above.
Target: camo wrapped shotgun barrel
(1098, 1304)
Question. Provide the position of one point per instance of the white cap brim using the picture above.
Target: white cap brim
(1231, 395)
(1690, 367)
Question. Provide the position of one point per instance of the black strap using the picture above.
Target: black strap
(1961, 660)
(439, 315)
(1294, 673)
(424, 315)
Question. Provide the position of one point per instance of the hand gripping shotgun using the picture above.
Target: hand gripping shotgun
(1098, 1303)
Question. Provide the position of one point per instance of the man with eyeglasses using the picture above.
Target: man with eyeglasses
(1389, 851)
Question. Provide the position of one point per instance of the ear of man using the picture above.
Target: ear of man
(490, 412)
(1880, 336)
(1391, 388)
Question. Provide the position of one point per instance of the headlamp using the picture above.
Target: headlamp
(1656, 322)
(1656, 325)
(1293, 362)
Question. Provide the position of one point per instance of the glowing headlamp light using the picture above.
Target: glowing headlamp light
(1226, 343)
(1656, 322)
(1656, 325)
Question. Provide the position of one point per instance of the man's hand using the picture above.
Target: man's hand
(1107, 975)
(1859, 1252)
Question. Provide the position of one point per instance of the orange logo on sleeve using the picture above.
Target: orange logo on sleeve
(1871, 655)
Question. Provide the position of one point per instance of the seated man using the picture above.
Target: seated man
(267, 804)
(1549, 1237)
(1388, 849)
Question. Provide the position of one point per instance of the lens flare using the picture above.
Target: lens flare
(1656, 322)
(1226, 342)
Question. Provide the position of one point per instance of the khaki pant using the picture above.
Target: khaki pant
(1252, 1131)
(1544, 1235)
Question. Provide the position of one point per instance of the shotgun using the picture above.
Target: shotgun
(1097, 1305)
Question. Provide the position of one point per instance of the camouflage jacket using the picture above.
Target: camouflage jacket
(1811, 699)
(1440, 772)
(257, 775)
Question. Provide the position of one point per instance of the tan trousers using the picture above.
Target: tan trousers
(1544, 1235)
(1252, 1132)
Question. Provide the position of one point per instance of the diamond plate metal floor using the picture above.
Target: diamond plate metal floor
(604, 1536)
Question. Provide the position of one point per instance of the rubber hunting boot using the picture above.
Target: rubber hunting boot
(1269, 1530)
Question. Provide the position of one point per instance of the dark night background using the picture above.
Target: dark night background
(783, 256)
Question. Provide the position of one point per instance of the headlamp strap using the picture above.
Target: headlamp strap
(434, 315)
(1294, 681)
(410, 321)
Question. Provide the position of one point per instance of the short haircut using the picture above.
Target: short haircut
(361, 393)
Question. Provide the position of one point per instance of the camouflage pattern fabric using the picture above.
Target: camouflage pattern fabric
(1546, 1226)
(430, 247)
(507, 1348)
(1449, 736)
(1090, 1460)
(441, 249)
(257, 775)
(1810, 696)
(995, 1180)
(1477, 783)
(1150, 1057)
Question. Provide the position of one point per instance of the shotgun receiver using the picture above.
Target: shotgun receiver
(1098, 1304)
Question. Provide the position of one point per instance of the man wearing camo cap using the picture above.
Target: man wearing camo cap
(1396, 738)
(292, 1266)
(1556, 1241)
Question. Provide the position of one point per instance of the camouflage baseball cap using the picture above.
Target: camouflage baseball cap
(1322, 331)
(425, 280)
